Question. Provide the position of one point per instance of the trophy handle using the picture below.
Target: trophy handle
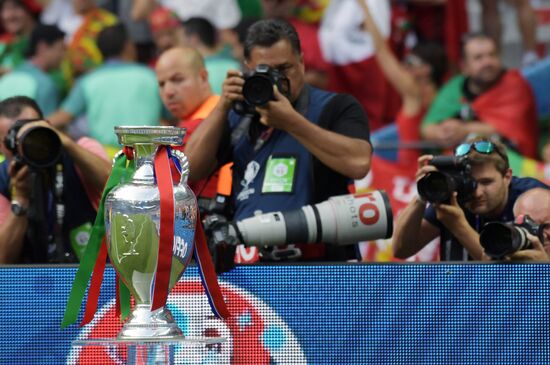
(184, 163)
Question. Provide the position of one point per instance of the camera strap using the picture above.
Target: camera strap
(300, 106)
(243, 128)
(38, 232)
(59, 206)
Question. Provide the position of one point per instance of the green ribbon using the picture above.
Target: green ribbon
(122, 171)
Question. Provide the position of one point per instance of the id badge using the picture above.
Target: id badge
(279, 175)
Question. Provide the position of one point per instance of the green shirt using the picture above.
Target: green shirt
(447, 103)
(217, 67)
(12, 53)
(28, 80)
(115, 94)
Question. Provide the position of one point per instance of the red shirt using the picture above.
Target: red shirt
(205, 188)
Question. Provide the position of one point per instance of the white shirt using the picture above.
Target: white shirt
(223, 14)
(342, 38)
(61, 13)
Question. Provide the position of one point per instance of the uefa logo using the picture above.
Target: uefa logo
(255, 334)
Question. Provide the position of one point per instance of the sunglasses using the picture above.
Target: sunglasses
(484, 147)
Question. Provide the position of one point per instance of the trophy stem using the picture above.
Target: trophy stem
(146, 324)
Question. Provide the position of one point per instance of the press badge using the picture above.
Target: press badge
(279, 175)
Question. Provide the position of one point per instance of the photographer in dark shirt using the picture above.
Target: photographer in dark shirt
(49, 187)
(300, 147)
(459, 225)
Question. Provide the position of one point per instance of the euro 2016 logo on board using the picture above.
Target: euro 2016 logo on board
(255, 334)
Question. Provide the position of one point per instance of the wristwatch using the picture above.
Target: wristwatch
(17, 209)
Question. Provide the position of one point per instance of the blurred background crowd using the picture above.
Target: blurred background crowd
(404, 60)
(47, 47)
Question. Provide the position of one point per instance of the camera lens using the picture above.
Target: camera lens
(500, 239)
(40, 147)
(436, 187)
(258, 90)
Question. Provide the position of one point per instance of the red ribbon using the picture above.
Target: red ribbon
(164, 262)
(208, 273)
(95, 285)
(166, 231)
(118, 311)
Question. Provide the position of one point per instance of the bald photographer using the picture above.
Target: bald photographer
(50, 186)
(525, 239)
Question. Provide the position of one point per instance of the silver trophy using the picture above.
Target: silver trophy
(132, 220)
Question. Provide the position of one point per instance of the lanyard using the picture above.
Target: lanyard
(59, 205)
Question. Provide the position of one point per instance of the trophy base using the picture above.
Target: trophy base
(145, 324)
(191, 350)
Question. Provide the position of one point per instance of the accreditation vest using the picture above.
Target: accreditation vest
(254, 167)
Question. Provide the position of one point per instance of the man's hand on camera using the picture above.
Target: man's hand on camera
(423, 167)
(536, 253)
(278, 113)
(450, 214)
(43, 123)
(19, 180)
(232, 89)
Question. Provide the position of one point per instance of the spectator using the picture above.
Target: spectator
(120, 92)
(186, 93)
(46, 52)
(199, 33)
(321, 138)
(317, 68)
(17, 18)
(440, 21)
(459, 227)
(166, 29)
(83, 53)
(350, 52)
(34, 231)
(416, 81)
(61, 13)
(526, 20)
(485, 99)
(536, 204)
(223, 14)
(237, 38)
(139, 31)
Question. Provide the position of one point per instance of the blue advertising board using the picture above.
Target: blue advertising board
(309, 314)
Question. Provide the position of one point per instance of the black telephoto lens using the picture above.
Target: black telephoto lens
(501, 239)
(40, 147)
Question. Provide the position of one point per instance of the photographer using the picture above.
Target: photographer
(459, 225)
(52, 205)
(535, 203)
(296, 149)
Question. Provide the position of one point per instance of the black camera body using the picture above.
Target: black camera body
(38, 147)
(258, 88)
(502, 239)
(453, 174)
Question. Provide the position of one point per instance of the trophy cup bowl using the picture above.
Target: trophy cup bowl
(132, 221)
